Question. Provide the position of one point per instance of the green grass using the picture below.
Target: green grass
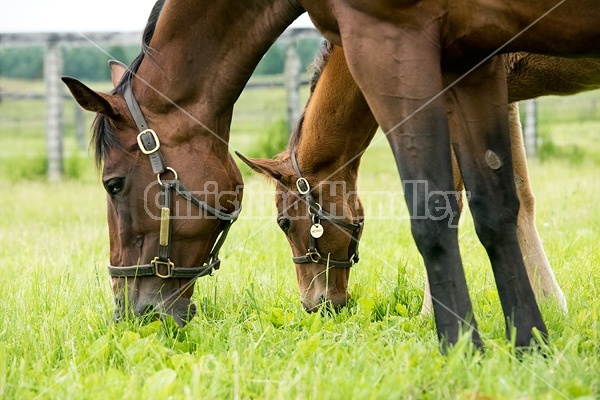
(569, 127)
(250, 338)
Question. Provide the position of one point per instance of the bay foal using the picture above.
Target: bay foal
(335, 130)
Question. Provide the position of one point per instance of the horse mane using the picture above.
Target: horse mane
(103, 133)
(315, 69)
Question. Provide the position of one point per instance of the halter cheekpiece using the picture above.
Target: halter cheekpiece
(161, 265)
(316, 214)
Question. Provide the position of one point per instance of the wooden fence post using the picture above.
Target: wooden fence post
(80, 128)
(292, 83)
(54, 136)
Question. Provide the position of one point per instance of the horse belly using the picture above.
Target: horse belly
(322, 15)
(478, 27)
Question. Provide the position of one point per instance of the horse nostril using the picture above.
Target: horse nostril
(327, 306)
(321, 304)
(148, 310)
(310, 309)
(144, 310)
(150, 313)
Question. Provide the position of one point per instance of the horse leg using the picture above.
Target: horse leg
(402, 88)
(478, 111)
(538, 268)
(427, 307)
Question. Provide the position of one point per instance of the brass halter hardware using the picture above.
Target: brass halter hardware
(161, 266)
(317, 214)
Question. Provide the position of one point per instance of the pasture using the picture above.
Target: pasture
(250, 337)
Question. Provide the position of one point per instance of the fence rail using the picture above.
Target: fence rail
(53, 65)
(545, 130)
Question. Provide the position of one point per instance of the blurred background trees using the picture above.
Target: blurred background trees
(89, 64)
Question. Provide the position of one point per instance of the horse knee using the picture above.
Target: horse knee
(495, 222)
(526, 196)
(434, 222)
(431, 237)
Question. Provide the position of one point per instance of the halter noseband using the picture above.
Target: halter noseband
(316, 231)
(161, 265)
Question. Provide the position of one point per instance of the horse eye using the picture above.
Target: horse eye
(284, 224)
(114, 186)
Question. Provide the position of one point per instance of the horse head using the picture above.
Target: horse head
(171, 198)
(322, 218)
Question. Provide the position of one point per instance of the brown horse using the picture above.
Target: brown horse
(402, 56)
(164, 125)
(329, 140)
(162, 235)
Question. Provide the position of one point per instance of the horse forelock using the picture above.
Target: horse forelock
(103, 133)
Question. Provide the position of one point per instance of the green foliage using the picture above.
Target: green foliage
(89, 64)
(25, 62)
(569, 128)
(307, 49)
(74, 166)
(86, 63)
(251, 338)
(273, 142)
(272, 62)
(548, 150)
(16, 169)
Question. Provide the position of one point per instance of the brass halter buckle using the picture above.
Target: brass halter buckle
(141, 143)
(303, 186)
(314, 255)
(156, 262)
(352, 259)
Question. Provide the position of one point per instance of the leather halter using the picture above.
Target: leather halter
(316, 215)
(161, 265)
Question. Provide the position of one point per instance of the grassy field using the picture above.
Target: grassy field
(250, 338)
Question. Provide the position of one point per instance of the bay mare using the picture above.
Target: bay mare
(198, 57)
(333, 134)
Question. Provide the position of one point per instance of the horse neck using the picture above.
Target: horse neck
(202, 54)
(338, 124)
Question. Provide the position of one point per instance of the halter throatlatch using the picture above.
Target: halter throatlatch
(317, 214)
(161, 265)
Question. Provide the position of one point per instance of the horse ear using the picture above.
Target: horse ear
(89, 99)
(117, 70)
(265, 166)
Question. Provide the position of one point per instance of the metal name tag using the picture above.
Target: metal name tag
(316, 231)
